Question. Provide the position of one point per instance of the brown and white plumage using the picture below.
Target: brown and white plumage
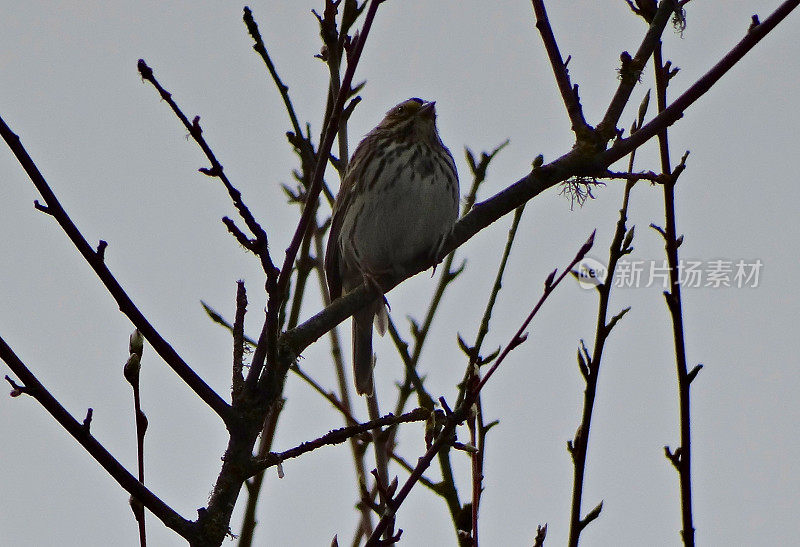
(397, 202)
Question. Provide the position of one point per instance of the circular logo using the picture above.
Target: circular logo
(590, 273)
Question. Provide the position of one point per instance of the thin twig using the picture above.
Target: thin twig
(253, 484)
(337, 436)
(633, 177)
(475, 351)
(478, 429)
(590, 370)
(300, 140)
(569, 94)
(216, 170)
(304, 266)
(674, 305)
(261, 49)
(380, 446)
(550, 285)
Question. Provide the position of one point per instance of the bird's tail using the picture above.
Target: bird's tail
(363, 358)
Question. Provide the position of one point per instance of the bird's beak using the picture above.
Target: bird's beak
(428, 110)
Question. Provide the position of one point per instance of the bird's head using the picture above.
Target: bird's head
(413, 119)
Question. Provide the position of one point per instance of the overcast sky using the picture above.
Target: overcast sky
(124, 169)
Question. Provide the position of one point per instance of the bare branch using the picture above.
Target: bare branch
(675, 110)
(541, 178)
(569, 94)
(631, 69)
(126, 305)
(550, 286)
(261, 49)
(325, 148)
(634, 177)
(80, 432)
(237, 383)
(216, 170)
(337, 436)
(674, 305)
(445, 436)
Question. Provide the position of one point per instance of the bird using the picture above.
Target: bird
(396, 205)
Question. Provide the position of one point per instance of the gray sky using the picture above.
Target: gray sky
(124, 169)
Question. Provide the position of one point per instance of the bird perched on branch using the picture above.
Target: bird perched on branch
(397, 203)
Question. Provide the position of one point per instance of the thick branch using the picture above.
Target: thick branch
(126, 305)
(31, 386)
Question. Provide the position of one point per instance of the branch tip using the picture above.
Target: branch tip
(693, 373)
(616, 318)
(658, 229)
(541, 534)
(87, 422)
(145, 71)
(583, 365)
(549, 281)
(16, 389)
(586, 246)
(591, 515)
(673, 457)
(101, 249)
(40, 207)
